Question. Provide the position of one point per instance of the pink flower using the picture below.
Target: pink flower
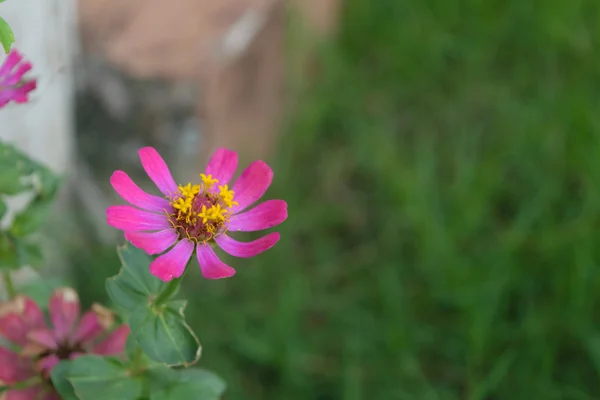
(37, 348)
(196, 216)
(12, 85)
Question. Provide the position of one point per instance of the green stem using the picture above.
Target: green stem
(167, 292)
(9, 285)
(137, 364)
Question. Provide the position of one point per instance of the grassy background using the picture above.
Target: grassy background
(442, 173)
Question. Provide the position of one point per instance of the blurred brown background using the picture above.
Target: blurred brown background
(232, 51)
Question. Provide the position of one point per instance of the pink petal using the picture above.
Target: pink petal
(247, 249)
(28, 86)
(32, 314)
(251, 185)
(46, 364)
(131, 193)
(264, 216)
(15, 77)
(158, 171)
(127, 218)
(19, 71)
(210, 264)
(64, 312)
(154, 242)
(17, 317)
(222, 165)
(18, 94)
(114, 343)
(10, 62)
(13, 328)
(172, 264)
(44, 337)
(30, 393)
(89, 328)
(93, 323)
(13, 368)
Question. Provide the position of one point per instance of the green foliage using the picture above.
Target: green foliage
(62, 385)
(443, 180)
(134, 284)
(7, 36)
(98, 378)
(16, 253)
(20, 174)
(26, 223)
(163, 335)
(185, 384)
(95, 377)
(157, 322)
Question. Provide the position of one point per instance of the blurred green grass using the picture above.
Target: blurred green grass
(442, 173)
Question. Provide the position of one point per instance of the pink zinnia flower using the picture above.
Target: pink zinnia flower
(37, 348)
(196, 216)
(12, 85)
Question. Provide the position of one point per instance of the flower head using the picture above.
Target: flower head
(36, 347)
(12, 85)
(196, 216)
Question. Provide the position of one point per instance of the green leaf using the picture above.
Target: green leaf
(3, 208)
(136, 356)
(7, 37)
(29, 254)
(187, 384)
(134, 284)
(9, 258)
(10, 177)
(208, 379)
(31, 218)
(16, 253)
(131, 348)
(60, 382)
(163, 335)
(16, 169)
(97, 378)
(49, 182)
(11, 156)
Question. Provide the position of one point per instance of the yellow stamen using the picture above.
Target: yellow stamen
(208, 181)
(217, 213)
(227, 196)
(205, 214)
(212, 215)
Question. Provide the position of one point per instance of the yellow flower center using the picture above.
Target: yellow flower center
(202, 211)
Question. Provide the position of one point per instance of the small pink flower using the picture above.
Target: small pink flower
(12, 85)
(37, 347)
(196, 216)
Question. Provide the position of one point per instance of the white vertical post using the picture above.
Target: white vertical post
(45, 33)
